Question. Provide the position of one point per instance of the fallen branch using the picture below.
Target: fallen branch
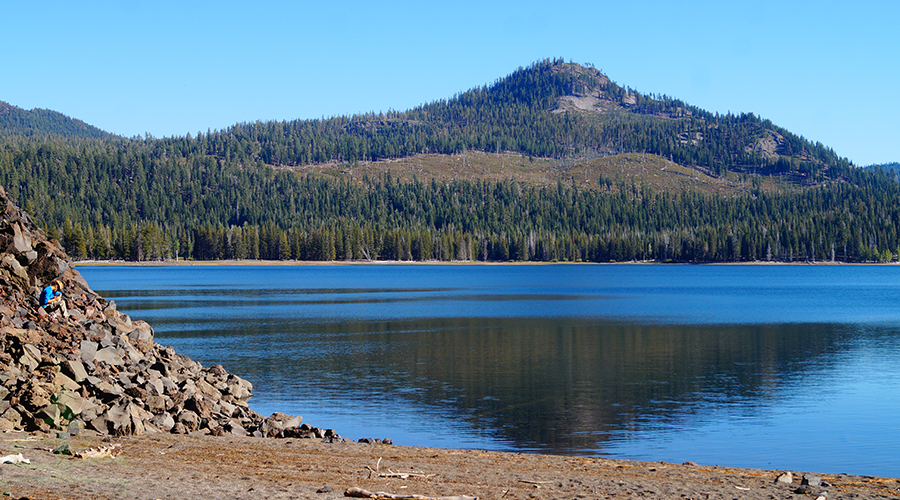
(380, 495)
(14, 459)
(108, 451)
(406, 475)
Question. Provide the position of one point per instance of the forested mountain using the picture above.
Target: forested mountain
(551, 109)
(15, 121)
(893, 166)
(553, 162)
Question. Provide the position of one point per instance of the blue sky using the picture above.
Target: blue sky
(826, 70)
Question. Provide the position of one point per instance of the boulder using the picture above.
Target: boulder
(188, 419)
(163, 421)
(21, 242)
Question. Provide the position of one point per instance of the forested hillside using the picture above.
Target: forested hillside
(569, 166)
(893, 166)
(551, 109)
(43, 122)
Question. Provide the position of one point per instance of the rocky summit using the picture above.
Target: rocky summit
(99, 369)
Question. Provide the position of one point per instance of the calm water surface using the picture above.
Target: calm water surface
(792, 367)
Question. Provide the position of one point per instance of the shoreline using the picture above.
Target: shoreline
(158, 466)
(301, 263)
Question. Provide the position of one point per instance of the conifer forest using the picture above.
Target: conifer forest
(552, 163)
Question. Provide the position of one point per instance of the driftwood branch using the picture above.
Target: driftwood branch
(401, 475)
(107, 451)
(406, 475)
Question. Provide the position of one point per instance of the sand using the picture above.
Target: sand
(163, 466)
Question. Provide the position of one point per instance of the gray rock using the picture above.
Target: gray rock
(189, 419)
(235, 428)
(29, 364)
(155, 386)
(188, 387)
(207, 390)
(88, 351)
(226, 408)
(110, 356)
(13, 416)
(804, 489)
(90, 413)
(811, 480)
(100, 424)
(239, 388)
(169, 385)
(108, 339)
(75, 368)
(33, 351)
(63, 381)
(62, 266)
(198, 405)
(21, 242)
(10, 262)
(142, 331)
(119, 418)
(108, 389)
(785, 478)
(52, 415)
(163, 421)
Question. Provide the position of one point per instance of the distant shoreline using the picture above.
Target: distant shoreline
(272, 263)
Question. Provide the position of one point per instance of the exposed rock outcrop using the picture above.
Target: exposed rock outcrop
(98, 368)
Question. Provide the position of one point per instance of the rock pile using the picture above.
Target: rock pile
(99, 369)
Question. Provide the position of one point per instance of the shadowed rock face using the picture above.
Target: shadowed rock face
(99, 369)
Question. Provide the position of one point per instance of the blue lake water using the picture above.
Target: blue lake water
(787, 367)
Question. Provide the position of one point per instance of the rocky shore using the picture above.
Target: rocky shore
(98, 369)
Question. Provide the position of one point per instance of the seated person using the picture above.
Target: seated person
(52, 299)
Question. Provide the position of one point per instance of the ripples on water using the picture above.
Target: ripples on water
(757, 366)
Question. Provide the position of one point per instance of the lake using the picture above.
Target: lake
(771, 366)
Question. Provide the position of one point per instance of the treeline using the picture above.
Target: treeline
(384, 219)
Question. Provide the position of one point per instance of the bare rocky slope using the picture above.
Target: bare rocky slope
(99, 369)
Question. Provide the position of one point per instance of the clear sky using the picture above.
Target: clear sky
(826, 70)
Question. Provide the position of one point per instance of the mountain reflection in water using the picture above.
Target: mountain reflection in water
(647, 362)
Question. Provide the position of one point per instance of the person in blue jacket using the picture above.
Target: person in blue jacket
(52, 299)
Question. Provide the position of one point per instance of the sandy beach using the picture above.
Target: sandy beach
(167, 466)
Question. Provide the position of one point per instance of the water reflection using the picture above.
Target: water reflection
(558, 386)
(567, 366)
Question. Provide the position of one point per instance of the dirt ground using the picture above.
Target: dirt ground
(163, 466)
